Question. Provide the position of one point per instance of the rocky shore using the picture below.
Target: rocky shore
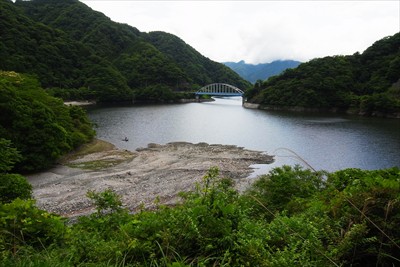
(349, 111)
(156, 172)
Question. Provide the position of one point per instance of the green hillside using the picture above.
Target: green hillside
(201, 69)
(39, 127)
(367, 83)
(81, 53)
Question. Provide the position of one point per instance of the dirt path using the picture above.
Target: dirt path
(158, 171)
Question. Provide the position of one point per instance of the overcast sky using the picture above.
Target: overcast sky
(262, 31)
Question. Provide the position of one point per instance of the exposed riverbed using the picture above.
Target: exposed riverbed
(141, 176)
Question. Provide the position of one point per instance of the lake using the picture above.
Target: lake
(324, 141)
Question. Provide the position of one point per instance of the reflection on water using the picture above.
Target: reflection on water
(324, 141)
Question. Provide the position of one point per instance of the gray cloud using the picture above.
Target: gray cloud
(262, 31)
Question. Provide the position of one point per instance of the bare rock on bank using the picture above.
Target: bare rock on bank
(158, 171)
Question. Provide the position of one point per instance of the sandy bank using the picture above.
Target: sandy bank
(79, 103)
(158, 171)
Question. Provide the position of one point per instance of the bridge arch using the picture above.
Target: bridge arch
(220, 89)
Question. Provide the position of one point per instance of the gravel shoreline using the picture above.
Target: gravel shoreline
(156, 172)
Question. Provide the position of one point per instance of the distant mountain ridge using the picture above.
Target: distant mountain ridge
(263, 71)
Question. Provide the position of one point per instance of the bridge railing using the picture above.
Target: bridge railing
(220, 89)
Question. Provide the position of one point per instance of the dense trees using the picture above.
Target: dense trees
(200, 69)
(31, 47)
(12, 186)
(366, 83)
(345, 218)
(39, 126)
(70, 47)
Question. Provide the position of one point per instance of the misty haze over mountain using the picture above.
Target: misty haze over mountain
(262, 71)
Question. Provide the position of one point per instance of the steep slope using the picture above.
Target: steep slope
(201, 69)
(253, 73)
(139, 61)
(59, 61)
(27, 46)
(39, 126)
(367, 83)
(136, 61)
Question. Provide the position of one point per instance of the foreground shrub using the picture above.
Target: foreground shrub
(22, 224)
(284, 188)
(14, 186)
(97, 237)
(366, 207)
(345, 218)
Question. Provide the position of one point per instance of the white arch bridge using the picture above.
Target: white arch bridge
(220, 89)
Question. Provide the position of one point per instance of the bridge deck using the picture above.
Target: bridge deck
(218, 94)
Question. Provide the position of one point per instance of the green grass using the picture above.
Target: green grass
(93, 147)
(110, 156)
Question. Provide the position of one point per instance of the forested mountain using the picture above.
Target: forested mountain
(68, 45)
(253, 73)
(367, 83)
(39, 127)
(201, 69)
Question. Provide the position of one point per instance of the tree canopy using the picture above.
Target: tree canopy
(70, 47)
(39, 127)
(367, 83)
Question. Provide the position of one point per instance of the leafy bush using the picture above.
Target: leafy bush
(296, 241)
(14, 186)
(22, 224)
(96, 238)
(212, 218)
(9, 155)
(106, 201)
(366, 206)
(283, 188)
(349, 217)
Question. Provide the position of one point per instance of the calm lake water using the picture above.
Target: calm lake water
(325, 141)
